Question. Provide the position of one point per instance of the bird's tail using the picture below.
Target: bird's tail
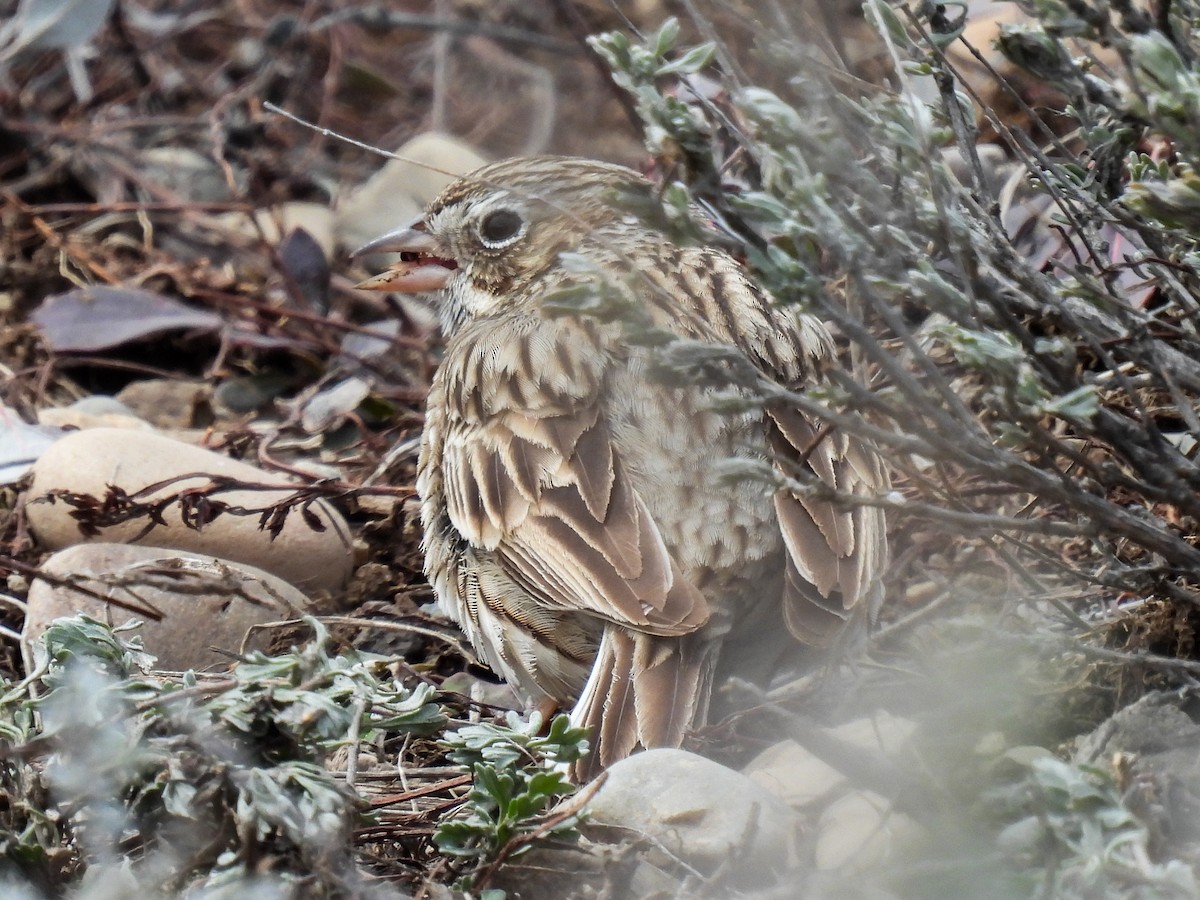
(644, 691)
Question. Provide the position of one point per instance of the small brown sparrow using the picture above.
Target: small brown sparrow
(581, 520)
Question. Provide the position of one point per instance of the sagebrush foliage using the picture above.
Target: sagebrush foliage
(1020, 325)
(174, 787)
(1079, 386)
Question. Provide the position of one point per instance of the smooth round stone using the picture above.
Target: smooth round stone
(700, 812)
(92, 412)
(861, 830)
(800, 778)
(794, 774)
(402, 187)
(204, 602)
(169, 404)
(276, 223)
(87, 462)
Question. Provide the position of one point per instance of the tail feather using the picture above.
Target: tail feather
(616, 735)
(643, 692)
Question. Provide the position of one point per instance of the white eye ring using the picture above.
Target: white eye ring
(499, 228)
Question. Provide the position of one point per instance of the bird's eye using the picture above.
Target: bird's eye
(501, 227)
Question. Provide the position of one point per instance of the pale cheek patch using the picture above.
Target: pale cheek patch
(474, 301)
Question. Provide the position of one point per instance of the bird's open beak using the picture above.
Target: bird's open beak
(419, 267)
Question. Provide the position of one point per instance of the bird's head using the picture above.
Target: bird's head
(492, 234)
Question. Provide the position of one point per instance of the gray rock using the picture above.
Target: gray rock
(1155, 739)
(168, 403)
(190, 174)
(399, 191)
(87, 462)
(860, 830)
(204, 602)
(802, 779)
(96, 411)
(693, 811)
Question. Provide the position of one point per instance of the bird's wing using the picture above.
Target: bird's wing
(835, 552)
(530, 473)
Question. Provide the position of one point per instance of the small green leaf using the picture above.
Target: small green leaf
(668, 34)
(694, 60)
